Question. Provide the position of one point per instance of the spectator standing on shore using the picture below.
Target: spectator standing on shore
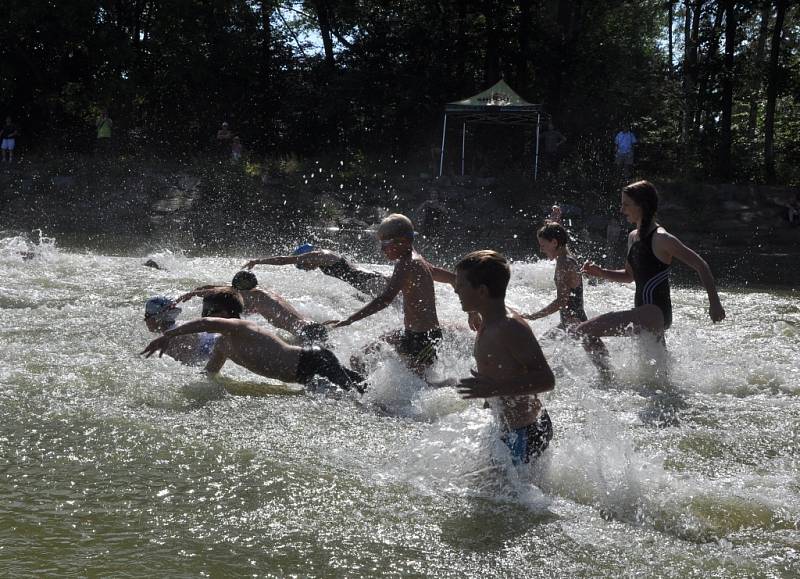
(236, 150)
(225, 140)
(624, 142)
(104, 125)
(8, 140)
(552, 140)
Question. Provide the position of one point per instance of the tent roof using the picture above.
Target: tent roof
(497, 104)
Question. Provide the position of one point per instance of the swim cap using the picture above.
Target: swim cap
(161, 308)
(244, 280)
(304, 248)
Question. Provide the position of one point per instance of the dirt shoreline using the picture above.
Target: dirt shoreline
(208, 207)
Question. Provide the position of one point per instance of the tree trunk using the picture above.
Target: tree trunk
(691, 26)
(773, 81)
(670, 14)
(758, 73)
(324, 19)
(524, 41)
(726, 137)
(491, 63)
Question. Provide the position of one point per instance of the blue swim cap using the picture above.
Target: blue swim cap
(161, 308)
(304, 248)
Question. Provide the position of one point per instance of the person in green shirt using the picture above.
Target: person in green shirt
(104, 125)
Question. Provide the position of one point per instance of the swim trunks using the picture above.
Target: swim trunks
(529, 442)
(651, 276)
(316, 361)
(205, 344)
(419, 346)
(368, 282)
(313, 332)
(8, 144)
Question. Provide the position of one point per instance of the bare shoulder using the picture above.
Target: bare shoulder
(516, 328)
(664, 238)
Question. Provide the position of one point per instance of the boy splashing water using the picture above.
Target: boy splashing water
(256, 348)
(413, 276)
(511, 368)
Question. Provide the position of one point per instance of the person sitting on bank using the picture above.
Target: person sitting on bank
(256, 348)
(160, 315)
(271, 306)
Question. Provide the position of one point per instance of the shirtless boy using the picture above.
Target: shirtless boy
(254, 347)
(276, 310)
(160, 315)
(511, 368)
(413, 277)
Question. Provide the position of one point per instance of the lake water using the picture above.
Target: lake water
(112, 465)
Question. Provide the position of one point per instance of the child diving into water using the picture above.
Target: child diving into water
(254, 347)
(413, 277)
(160, 315)
(553, 242)
(307, 258)
(511, 368)
(274, 308)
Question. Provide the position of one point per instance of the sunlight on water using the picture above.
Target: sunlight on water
(692, 470)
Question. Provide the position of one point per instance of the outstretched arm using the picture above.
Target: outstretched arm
(393, 288)
(442, 275)
(274, 260)
(213, 325)
(199, 292)
(617, 275)
(678, 250)
(565, 280)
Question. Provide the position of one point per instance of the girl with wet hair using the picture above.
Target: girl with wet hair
(553, 242)
(651, 251)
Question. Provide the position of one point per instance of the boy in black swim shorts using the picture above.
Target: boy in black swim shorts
(255, 347)
(413, 276)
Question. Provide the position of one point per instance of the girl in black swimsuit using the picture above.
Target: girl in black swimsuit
(553, 239)
(651, 250)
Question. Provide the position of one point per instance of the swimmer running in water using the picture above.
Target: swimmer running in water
(274, 308)
(254, 347)
(511, 368)
(651, 251)
(160, 315)
(553, 242)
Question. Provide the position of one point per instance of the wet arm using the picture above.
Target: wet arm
(199, 292)
(393, 288)
(212, 325)
(617, 275)
(273, 260)
(679, 251)
(443, 276)
(217, 359)
(565, 281)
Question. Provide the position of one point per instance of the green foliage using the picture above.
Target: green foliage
(369, 79)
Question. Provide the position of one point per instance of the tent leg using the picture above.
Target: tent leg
(463, 145)
(441, 154)
(536, 160)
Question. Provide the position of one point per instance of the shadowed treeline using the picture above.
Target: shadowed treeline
(710, 86)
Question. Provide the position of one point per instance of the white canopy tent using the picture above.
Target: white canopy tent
(499, 105)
